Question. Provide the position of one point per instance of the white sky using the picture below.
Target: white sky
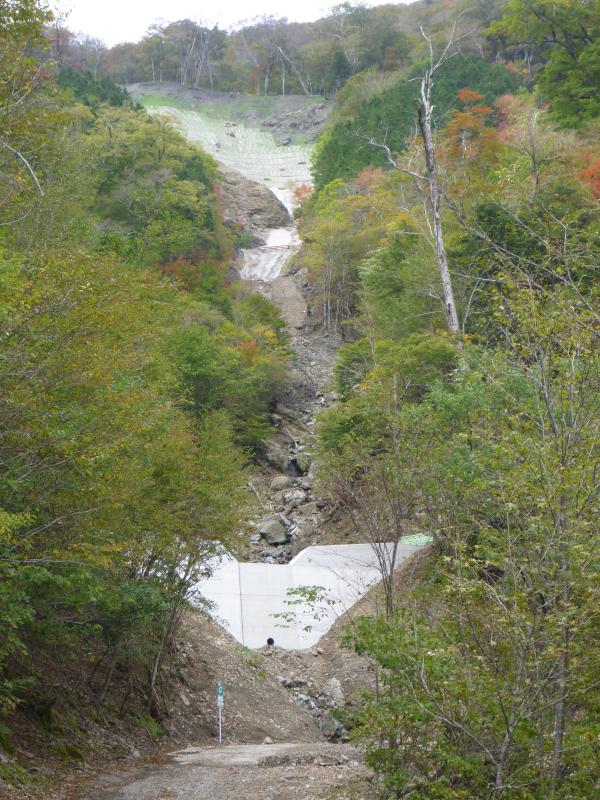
(117, 21)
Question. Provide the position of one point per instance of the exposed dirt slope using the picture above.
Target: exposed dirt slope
(256, 705)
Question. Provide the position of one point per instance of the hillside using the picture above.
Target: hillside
(271, 56)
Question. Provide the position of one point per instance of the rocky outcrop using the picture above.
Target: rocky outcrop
(320, 702)
(249, 205)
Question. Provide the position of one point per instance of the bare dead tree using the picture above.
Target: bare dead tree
(28, 166)
(431, 177)
(295, 71)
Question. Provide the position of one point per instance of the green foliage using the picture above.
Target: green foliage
(411, 365)
(132, 379)
(151, 725)
(566, 36)
(266, 56)
(233, 368)
(91, 91)
(340, 228)
(14, 609)
(345, 149)
(486, 674)
(473, 666)
(153, 189)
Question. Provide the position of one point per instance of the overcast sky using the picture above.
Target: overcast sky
(117, 21)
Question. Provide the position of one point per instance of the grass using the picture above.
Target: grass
(253, 660)
(13, 774)
(68, 751)
(250, 150)
(158, 100)
(149, 724)
(229, 109)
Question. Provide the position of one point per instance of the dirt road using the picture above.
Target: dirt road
(240, 772)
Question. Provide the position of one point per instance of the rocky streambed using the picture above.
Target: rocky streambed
(292, 511)
(260, 174)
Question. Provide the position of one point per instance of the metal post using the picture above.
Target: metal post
(220, 703)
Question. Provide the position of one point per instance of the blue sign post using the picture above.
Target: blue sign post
(220, 703)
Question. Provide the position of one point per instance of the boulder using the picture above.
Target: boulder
(273, 532)
(250, 204)
(280, 482)
(269, 552)
(296, 683)
(303, 460)
(304, 528)
(184, 698)
(277, 457)
(277, 500)
(296, 497)
(333, 693)
(309, 508)
(331, 728)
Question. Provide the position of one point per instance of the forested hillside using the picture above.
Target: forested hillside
(450, 240)
(268, 54)
(453, 238)
(135, 380)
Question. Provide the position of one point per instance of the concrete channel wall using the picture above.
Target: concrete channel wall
(247, 597)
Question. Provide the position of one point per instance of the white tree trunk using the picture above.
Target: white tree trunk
(435, 196)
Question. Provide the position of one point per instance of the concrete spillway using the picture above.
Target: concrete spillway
(255, 601)
(265, 263)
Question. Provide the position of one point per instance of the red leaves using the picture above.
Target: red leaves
(467, 96)
(591, 176)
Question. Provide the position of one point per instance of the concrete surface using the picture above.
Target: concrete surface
(265, 263)
(256, 601)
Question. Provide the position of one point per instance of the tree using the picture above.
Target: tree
(566, 36)
(489, 678)
(21, 76)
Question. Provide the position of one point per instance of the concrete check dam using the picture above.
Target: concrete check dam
(295, 604)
